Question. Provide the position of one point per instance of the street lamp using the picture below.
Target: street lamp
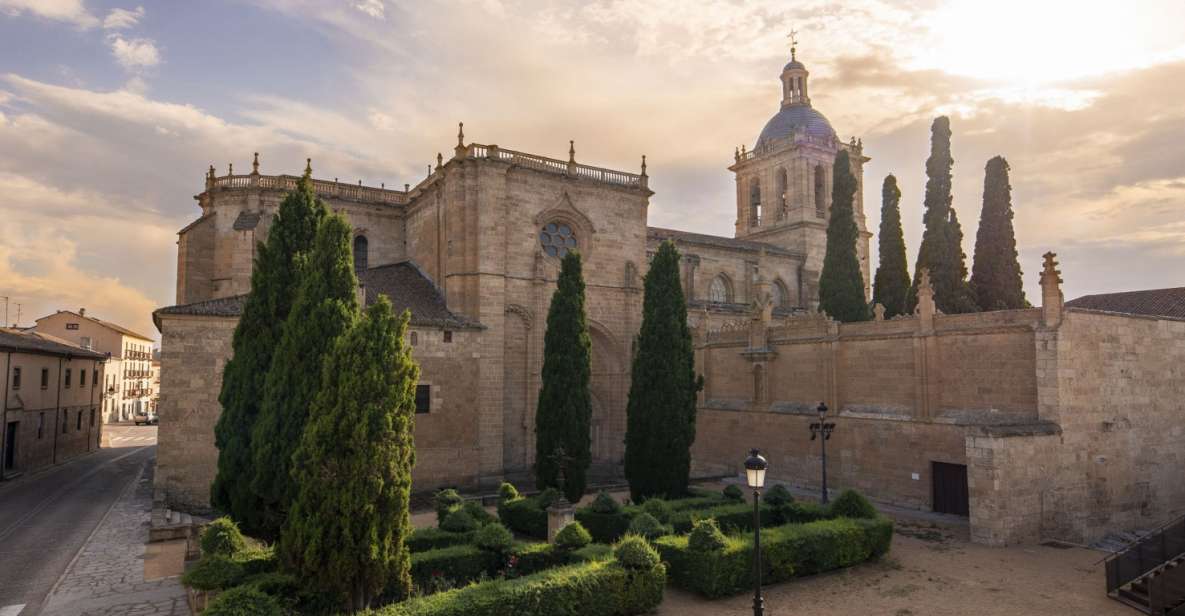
(755, 467)
(824, 428)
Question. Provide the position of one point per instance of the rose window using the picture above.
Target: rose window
(557, 239)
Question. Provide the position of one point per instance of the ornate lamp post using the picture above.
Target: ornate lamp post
(755, 467)
(823, 428)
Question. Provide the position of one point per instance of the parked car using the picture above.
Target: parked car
(146, 418)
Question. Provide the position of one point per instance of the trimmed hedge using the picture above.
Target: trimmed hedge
(458, 563)
(526, 516)
(788, 551)
(244, 601)
(424, 539)
(214, 573)
(601, 588)
(609, 527)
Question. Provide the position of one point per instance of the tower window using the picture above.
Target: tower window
(16, 378)
(755, 203)
(820, 191)
(718, 291)
(361, 244)
(782, 200)
(423, 398)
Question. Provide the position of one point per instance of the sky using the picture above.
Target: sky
(111, 111)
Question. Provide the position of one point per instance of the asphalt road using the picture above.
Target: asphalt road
(46, 518)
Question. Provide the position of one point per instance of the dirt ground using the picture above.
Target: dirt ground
(933, 572)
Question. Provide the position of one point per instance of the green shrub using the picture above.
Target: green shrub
(733, 493)
(459, 563)
(572, 537)
(800, 513)
(634, 552)
(778, 495)
(445, 501)
(658, 508)
(214, 573)
(423, 539)
(524, 516)
(478, 513)
(878, 534)
(599, 588)
(258, 560)
(698, 501)
(528, 558)
(604, 503)
(851, 504)
(244, 601)
(547, 498)
(647, 526)
(735, 517)
(222, 537)
(591, 552)
(458, 521)
(494, 538)
(706, 536)
(507, 491)
(606, 527)
(274, 583)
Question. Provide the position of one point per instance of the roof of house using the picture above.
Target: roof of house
(44, 344)
(108, 324)
(731, 243)
(1154, 302)
(404, 284)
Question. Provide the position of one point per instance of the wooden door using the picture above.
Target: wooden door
(950, 488)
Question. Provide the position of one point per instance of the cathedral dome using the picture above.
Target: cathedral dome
(793, 64)
(793, 118)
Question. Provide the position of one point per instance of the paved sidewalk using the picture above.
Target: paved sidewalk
(107, 578)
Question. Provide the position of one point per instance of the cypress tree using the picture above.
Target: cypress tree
(565, 405)
(660, 413)
(841, 284)
(941, 251)
(996, 274)
(325, 307)
(891, 284)
(353, 467)
(273, 290)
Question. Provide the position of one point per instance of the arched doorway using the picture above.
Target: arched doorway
(607, 429)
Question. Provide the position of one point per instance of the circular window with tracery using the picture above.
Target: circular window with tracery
(557, 239)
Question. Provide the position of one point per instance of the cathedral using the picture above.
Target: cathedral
(473, 251)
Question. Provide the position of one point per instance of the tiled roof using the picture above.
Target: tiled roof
(403, 283)
(660, 234)
(247, 221)
(108, 324)
(33, 342)
(1154, 302)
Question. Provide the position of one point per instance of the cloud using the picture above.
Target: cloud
(121, 19)
(374, 8)
(68, 11)
(135, 54)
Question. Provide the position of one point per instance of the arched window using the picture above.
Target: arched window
(360, 248)
(779, 294)
(782, 200)
(820, 190)
(755, 203)
(718, 291)
(557, 238)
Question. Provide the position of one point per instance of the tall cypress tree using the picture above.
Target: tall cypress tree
(326, 306)
(941, 251)
(565, 405)
(841, 284)
(891, 284)
(353, 467)
(996, 274)
(660, 414)
(273, 290)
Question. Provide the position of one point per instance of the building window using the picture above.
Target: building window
(92, 417)
(820, 191)
(45, 378)
(557, 239)
(94, 377)
(71, 326)
(16, 378)
(79, 425)
(65, 422)
(755, 203)
(415, 338)
(718, 292)
(423, 398)
(85, 342)
(360, 255)
(40, 425)
(783, 206)
(67, 378)
(448, 336)
(82, 378)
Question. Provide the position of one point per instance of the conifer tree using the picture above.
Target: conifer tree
(841, 284)
(326, 306)
(273, 290)
(891, 284)
(660, 413)
(941, 251)
(565, 404)
(996, 274)
(352, 468)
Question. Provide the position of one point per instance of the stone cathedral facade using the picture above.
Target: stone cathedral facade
(473, 251)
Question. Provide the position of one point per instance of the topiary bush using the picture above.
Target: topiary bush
(524, 516)
(572, 537)
(706, 536)
(733, 493)
(778, 495)
(851, 504)
(647, 526)
(634, 552)
(222, 537)
(494, 538)
(423, 539)
(604, 503)
(547, 498)
(214, 572)
(507, 491)
(478, 513)
(445, 501)
(244, 601)
(458, 521)
(658, 508)
(459, 564)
